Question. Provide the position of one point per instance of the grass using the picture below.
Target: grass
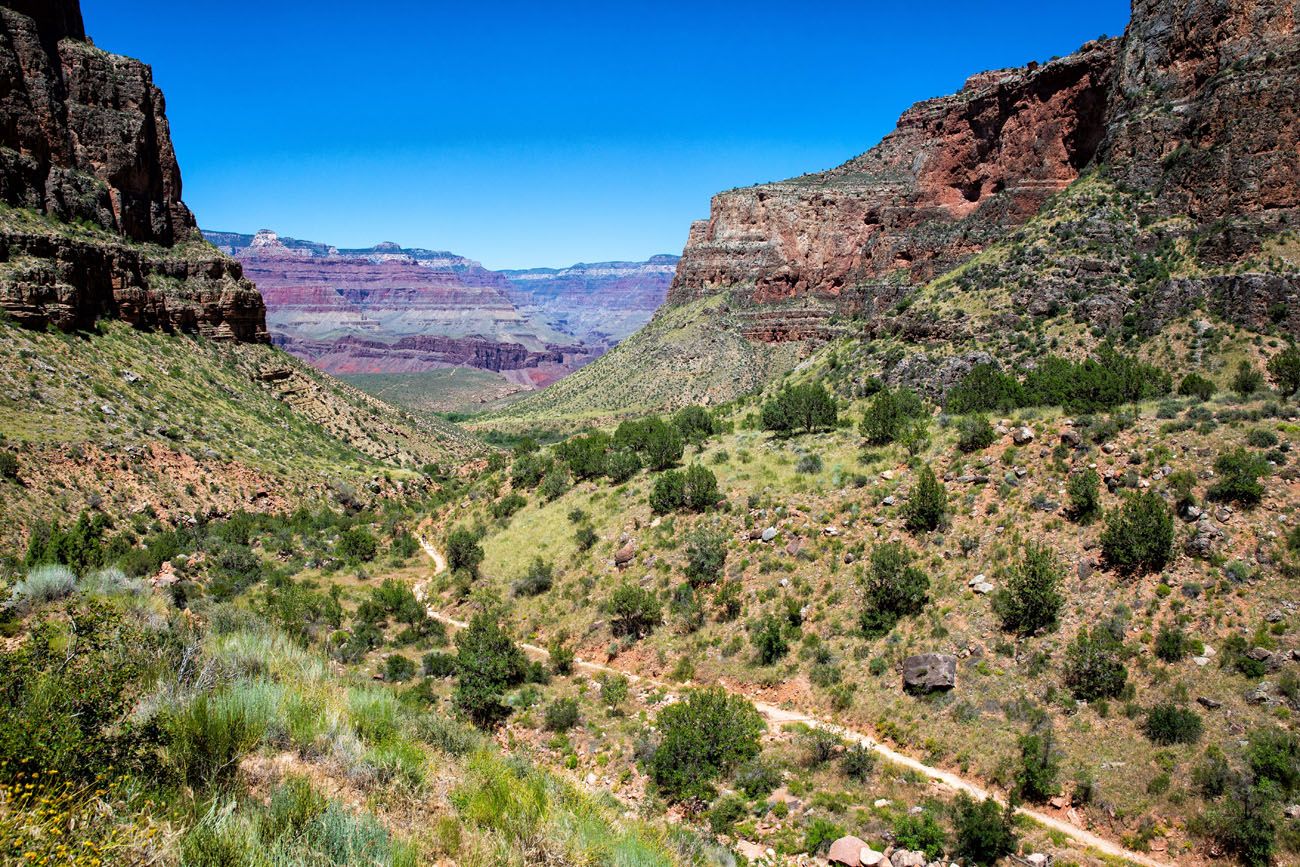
(449, 389)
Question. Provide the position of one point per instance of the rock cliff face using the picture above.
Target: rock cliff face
(94, 224)
(1196, 106)
(387, 309)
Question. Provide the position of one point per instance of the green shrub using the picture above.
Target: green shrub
(1284, 370)
(555, 484)
(974, 433)
(725, 813)
(694, 423)
(808, 465)
(984, 389)
(706, 557)
(800, 408)
(358, 543)
(889, 414)
(206, 738)
(438, 664)
(701, 738)
(398, 668)
(1170, 724)
(503, 508)
(893, 588)
(561, 715)
(1274, 755)
(487, 664)
(985, 829)
(1084, 491)
(927, 506)
(1247, 380)
(919, 832)
(464, 553)
(820, 834)
(1197, 386)
(1245, 824)
(1261, 438)
(622, 465)
(1239, 472)
(528, 470)
(757, 778)
(1172, 644)
(1213, 775)
(562, 656)
(537, 580)
(857, 762)
(1094, 665)
(8, 465)
(668, 493)
(613, 689)
(585, 538)
(634, 610)
(769, 639)
(44, 584)
(1031, 599)
(585, 455)
(1139, 535)
(1039, 766)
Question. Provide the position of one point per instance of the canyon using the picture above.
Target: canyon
(392, 310)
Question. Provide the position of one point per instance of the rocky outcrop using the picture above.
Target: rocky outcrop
(1194, 111)
(96, 225)
(927, 672)
(416, 353)
(600, 303)
(952, 178)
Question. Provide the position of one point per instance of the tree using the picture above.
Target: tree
(621, 465)
(1031, 598)
(1247, 380)
(803, 408)
(707, 735)
(985, 829)
(1084, 491)
(1139, 536)
(663, 446)
(700, 488)
(1094, 667)
(1239, 473)
(886, 418)
(928, 504)
(1039, 766)
(892, 587)
(585, 455)
(694, 424)
(487, 664)
(706, 555)
(984, 388)
(769, 639)
(668, 493)
(1197, 386)
(528, 470)
(635, 610)
(1284, 370)
(464, 553)
(8, 465)
(1168, 724)
(357, 543)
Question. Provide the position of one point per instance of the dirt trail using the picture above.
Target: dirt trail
(780, 716)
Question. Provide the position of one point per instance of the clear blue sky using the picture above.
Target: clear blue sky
(544, 133)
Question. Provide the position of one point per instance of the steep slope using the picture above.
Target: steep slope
(1190, 120)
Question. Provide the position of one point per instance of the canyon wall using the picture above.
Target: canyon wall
(94, 224)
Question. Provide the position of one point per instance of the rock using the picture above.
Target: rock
(1208, 703)
(1022, 435)
(1275, 616)
(1071, 438)
(624, 555)
(889, 501)
(881, 802)
(928, 672)
(793, 546)
(769, 534)
(1260, 654)
(907, 858)
(1261, 694)
(1085, 568)
(1292, 811)
(752, 852)
(830, 531)
(1201, 661)
(1037, 859)
(847, 851)
(871, 858)
(982, 588)
(978, 579)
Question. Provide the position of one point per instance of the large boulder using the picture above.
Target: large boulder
(847, 851)
(928, 672)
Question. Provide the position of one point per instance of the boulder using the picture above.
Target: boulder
(847, 851)
(769, 534)
(906, 858)
(928, 672)
(624, 555)
(1022, 435)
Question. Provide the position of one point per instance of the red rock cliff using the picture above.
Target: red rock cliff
(84, 141)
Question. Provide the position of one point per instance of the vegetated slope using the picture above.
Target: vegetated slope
(122, 421)
(1189, 118)
(781, 616)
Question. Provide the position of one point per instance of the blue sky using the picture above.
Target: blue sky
(542, 134)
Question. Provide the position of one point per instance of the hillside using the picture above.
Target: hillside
(1188, 118)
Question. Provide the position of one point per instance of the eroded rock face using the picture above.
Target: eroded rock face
(954, 175)
(1195, 108)
(84, 140)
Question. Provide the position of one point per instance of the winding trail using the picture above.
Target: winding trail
(780, 716)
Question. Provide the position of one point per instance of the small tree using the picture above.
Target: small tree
(561, 715)
(769, 639)
(1139, 536)
(487, 664)
(892, 587)
(1284, 370)
(985, 829)
(928, 505)
(1168, 724)
(800, 408)
(1247, 380)
(1039, 766)
(702, 738)
(669, 492)
(662, 444)
(635, 610)
(699, 488)
(1084, 490)
(1197, 386)
(1094, 665)
(537, 580)
(694, 424)
(1031, 599)
(464, 553)
(1239, 473)
(706, 556)
(8, 465)
(887, 417)
(358, 543)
